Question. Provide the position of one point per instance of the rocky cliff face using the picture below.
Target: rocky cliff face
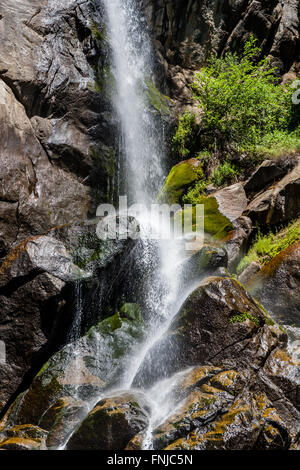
(53, 123)
(57, 161)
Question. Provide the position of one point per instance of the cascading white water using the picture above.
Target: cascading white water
(131, 67)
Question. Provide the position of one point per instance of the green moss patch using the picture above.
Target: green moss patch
(216, 225)
(157, 100)
(180, 177)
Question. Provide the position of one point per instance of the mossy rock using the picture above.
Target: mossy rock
(245, 425)
(216, 225)
(179, 179)
(206, 392)
(83, 369)
(112, 423)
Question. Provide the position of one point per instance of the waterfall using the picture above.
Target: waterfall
(142, 133)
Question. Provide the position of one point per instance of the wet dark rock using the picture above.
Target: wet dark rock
(57, 138)
(218, 321)
(33, 295)
(280, 203)
(26, 437)
(250, 271)
(112, 423)
(236, 241)
(285, 374)
(277, 285)
(219, 408)
(232, 201)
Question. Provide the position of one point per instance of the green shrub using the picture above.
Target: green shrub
(240, 98)
(243, 106)
(192, 196)
(224, 173)
(184, 140)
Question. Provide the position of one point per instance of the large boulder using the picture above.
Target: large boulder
(218, 321)
(279, 203)
(218, 411)
(232, 201)
(277, 285)
(81, 371)
(112, 423)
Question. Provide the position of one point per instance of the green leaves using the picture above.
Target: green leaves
(241, 99)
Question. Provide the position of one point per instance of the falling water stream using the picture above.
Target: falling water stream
(132, 65)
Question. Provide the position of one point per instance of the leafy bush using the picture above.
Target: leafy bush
(224, 173)
(184, 140)
(241, 99)
(268, 246)
(243, 107)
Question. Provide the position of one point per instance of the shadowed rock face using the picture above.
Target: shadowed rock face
(55, 140)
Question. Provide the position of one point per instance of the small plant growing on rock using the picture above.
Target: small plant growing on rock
(243, 317)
